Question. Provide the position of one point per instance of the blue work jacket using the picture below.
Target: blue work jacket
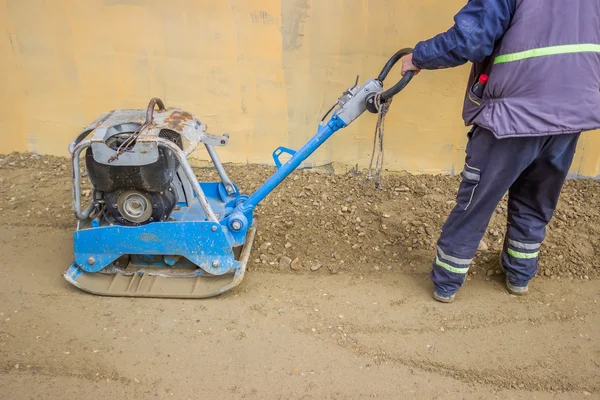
(477, 28)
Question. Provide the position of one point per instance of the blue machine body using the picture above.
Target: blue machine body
(206, 244)
(189, 234)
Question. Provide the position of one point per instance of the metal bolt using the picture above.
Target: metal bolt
(236, 225)
(216, 263)
(91, 261)
(214, 228)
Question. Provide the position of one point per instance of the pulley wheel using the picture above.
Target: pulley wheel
(134, 206)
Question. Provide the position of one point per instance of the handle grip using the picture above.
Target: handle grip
(392, 61)
(394, 90)
(397, 88)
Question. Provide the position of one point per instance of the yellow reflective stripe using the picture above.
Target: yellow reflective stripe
(525, 256)
(455, 260)
(548, 51)
(473, 100)
(450, 268)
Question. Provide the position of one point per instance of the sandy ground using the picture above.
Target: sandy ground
(346, 330)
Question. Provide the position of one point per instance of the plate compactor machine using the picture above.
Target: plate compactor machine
(151, 229)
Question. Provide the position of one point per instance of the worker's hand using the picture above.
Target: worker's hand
(407, 65)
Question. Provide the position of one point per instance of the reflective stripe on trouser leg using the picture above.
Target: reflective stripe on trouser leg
(525, 251)
(449, 272)
(452, 264)
(520, 261)
(532, 200)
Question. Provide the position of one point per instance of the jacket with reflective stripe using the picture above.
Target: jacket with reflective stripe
(544, 74)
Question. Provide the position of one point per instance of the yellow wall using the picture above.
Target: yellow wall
(262, 70)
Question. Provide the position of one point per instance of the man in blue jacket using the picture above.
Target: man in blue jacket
(534, 87)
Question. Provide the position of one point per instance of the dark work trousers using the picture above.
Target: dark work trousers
(533, 171)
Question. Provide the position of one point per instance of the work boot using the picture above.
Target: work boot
(516, 290)
(443, 299)
(512, 289)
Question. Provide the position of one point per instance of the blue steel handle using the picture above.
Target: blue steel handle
(351, 105)
(278, 152)
(324, 133)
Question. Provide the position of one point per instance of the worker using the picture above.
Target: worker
(534, 87)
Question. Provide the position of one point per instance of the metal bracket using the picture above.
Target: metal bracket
(215, 140)
(278, 152)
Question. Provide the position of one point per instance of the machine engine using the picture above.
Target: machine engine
(135, 194)
(134, 162)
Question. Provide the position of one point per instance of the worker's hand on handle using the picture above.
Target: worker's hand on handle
(407, 65)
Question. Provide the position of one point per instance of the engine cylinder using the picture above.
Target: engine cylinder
(155, 177)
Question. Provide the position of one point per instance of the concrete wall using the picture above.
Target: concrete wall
(262, 70)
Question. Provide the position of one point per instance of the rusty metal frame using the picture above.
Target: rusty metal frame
(145, 147)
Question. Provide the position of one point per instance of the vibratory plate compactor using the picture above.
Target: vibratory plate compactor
(151, 229)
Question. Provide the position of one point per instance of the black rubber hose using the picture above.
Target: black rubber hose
(391, 62)
(397, 88)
